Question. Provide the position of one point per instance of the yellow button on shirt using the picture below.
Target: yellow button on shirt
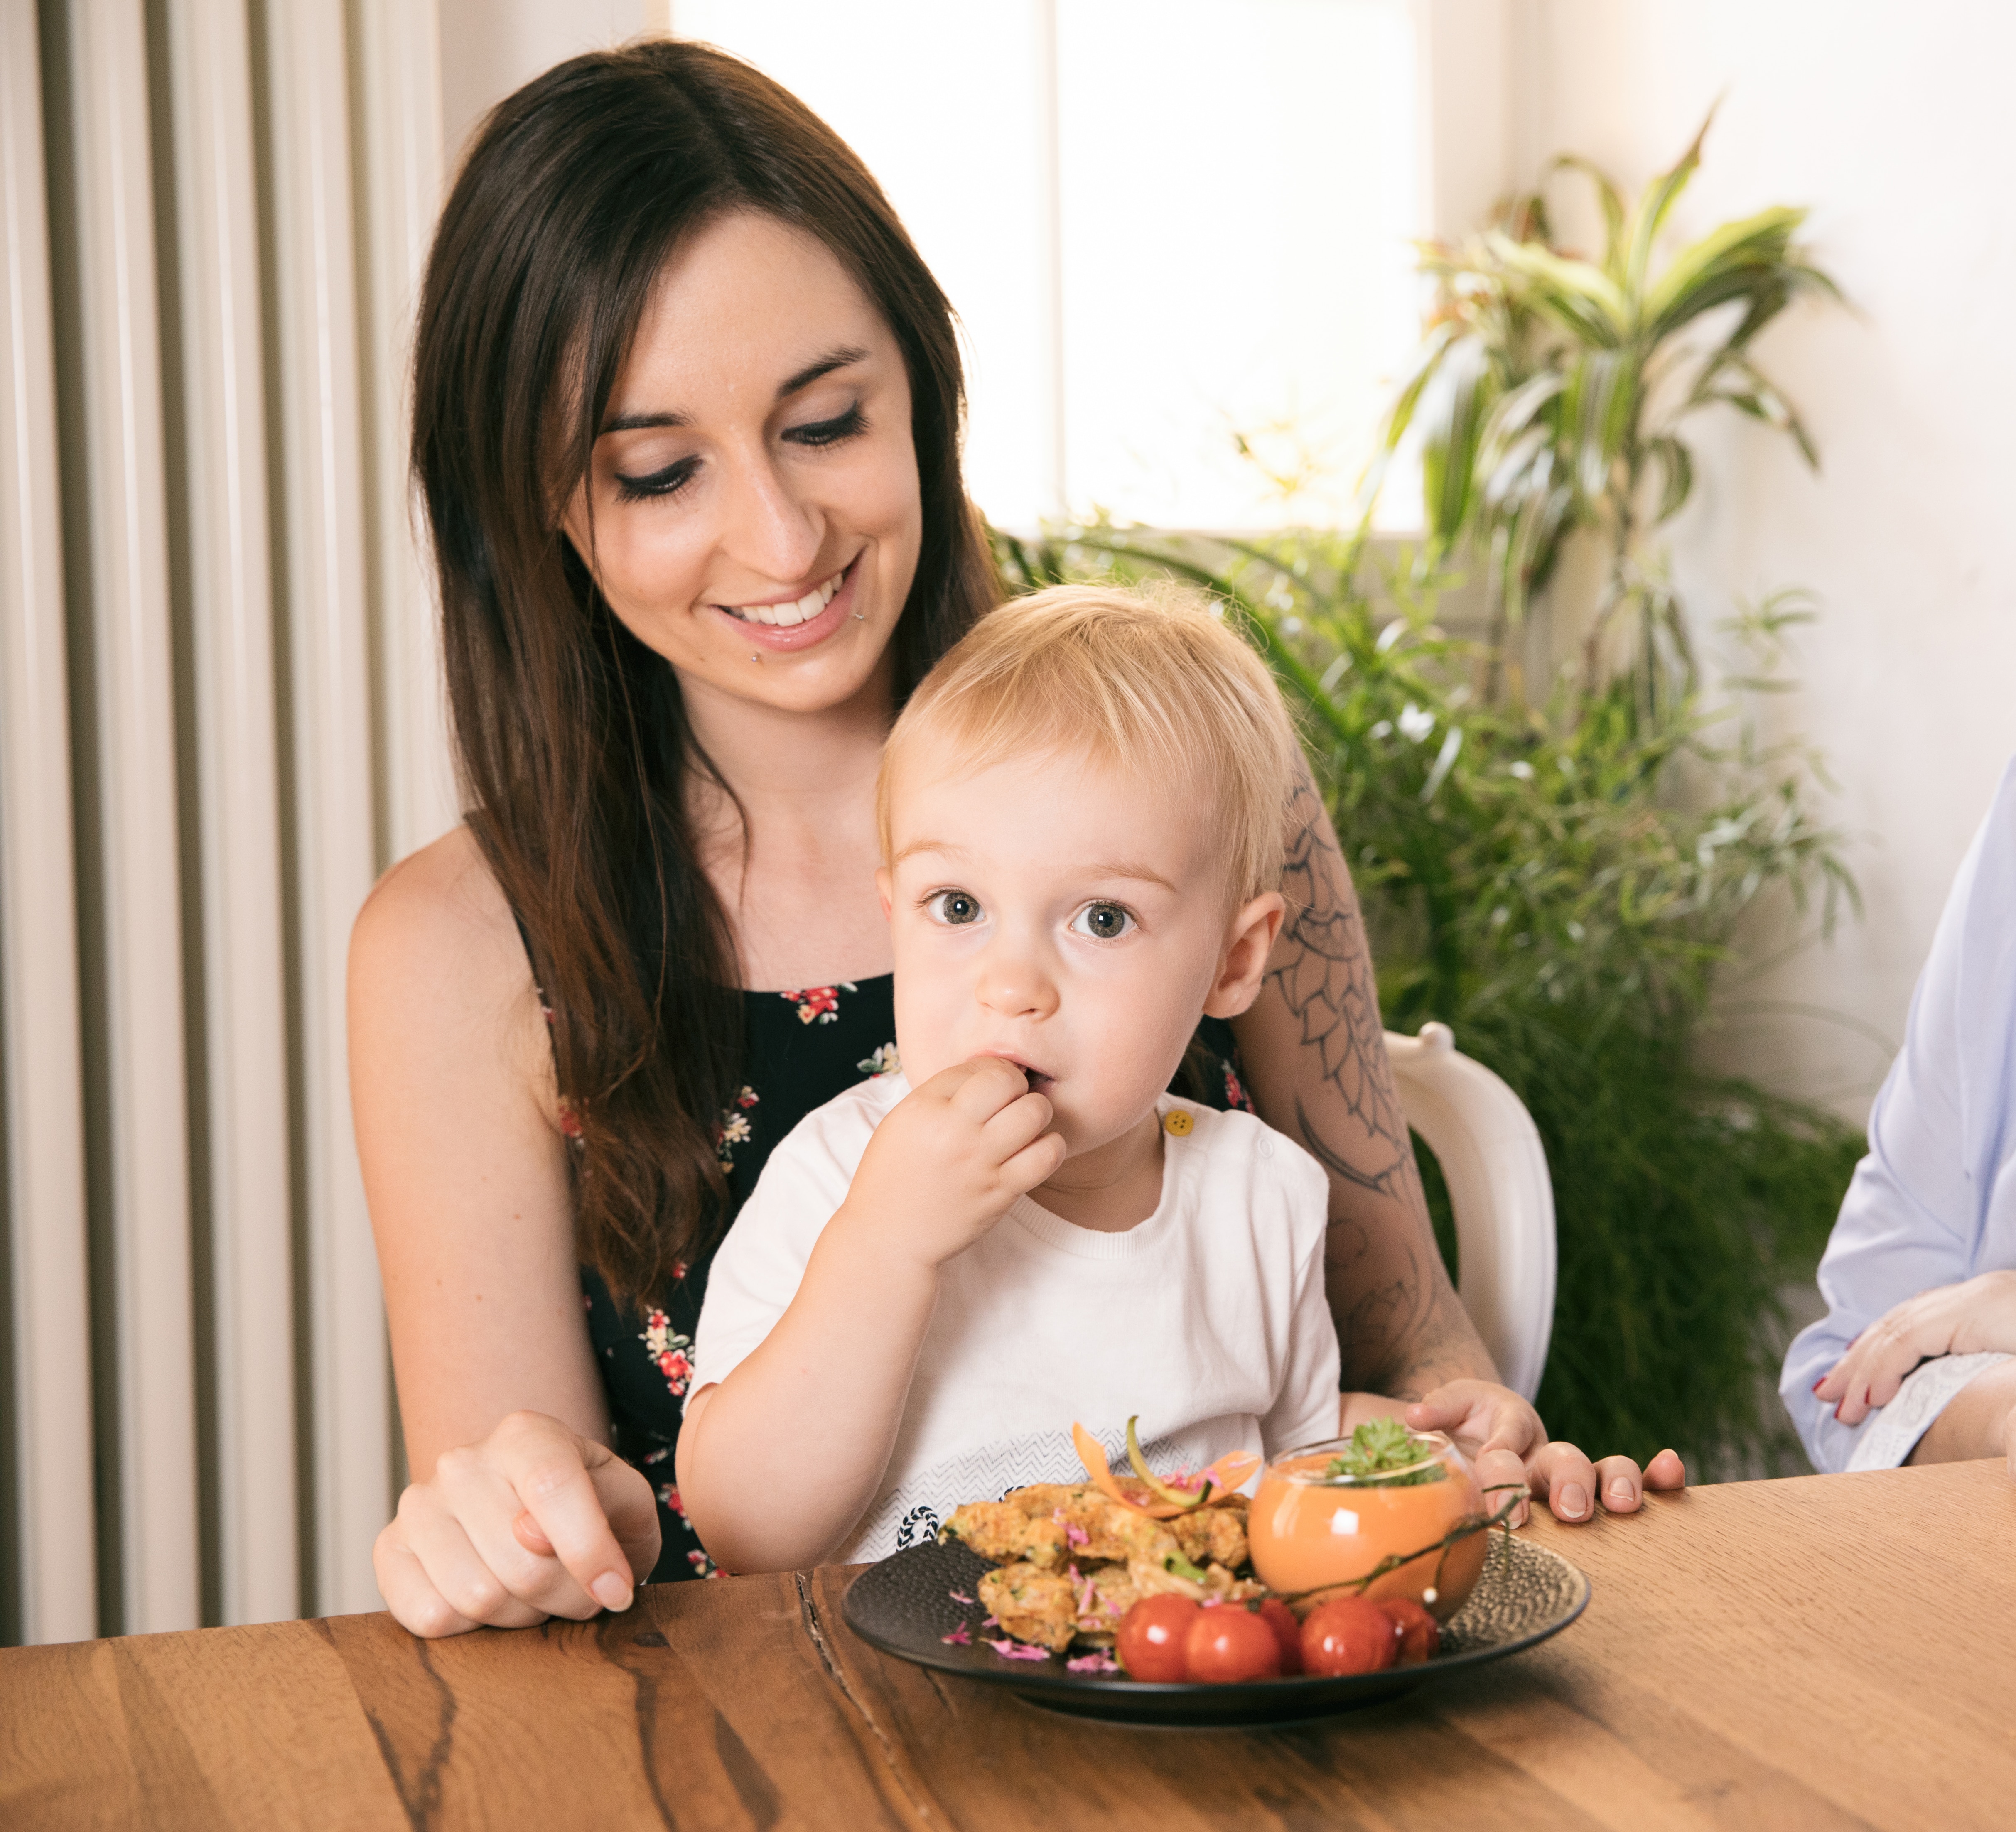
(1177, 1123)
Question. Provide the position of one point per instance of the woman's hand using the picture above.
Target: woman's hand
(1501, 1435)
(535, 1521)
(1976, 1314)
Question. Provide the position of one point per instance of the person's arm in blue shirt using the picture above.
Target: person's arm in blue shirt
(1935, 1201)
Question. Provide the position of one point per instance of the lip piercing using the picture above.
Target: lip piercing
(858, 618)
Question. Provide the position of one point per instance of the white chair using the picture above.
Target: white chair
(1492, 1159)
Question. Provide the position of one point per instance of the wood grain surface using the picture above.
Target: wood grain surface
(1831, 1651)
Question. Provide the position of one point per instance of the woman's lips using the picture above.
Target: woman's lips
(815, 629)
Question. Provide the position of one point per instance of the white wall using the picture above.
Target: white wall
(1888, 120)
(1892, 122)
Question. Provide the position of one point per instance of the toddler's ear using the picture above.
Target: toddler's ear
(882, 885)
(1249, 940)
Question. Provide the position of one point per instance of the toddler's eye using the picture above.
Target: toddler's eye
(955, 909)
(1103, 922)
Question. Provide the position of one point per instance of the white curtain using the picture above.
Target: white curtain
(220, 717)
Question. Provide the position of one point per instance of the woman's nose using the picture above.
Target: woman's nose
(767, 528)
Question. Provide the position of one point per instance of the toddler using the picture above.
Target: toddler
(941, 1270)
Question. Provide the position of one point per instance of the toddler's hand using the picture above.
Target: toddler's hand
(951, 1158)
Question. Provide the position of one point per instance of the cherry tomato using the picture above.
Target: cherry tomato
(1421, 1635)
(1229, 1643)
(1287, 1631)
(1348, 1635)
(1150, 1641)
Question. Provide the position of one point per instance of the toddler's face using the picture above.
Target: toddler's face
(1066, 915)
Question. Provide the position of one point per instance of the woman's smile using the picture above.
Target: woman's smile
(798, 622)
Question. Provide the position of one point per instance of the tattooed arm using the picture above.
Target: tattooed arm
(1314, 1052)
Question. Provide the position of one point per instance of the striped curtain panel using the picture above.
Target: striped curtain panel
(220, 717)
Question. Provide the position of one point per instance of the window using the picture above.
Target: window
(1165, 225)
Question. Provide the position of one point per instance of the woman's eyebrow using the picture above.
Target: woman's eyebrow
(840, 358)
(843, 357)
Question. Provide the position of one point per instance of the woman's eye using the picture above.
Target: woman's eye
(1103, 922)
(829, 432)
(955, 909)
(669, 482)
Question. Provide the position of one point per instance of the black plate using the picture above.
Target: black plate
(905, 1606)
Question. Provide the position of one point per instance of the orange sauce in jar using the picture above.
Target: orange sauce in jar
(1306, 1530)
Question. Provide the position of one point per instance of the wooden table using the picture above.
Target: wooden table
(1832, 1651)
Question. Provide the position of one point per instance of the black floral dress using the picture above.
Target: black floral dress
(802, 1049)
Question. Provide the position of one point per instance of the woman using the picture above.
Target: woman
(1911, 1362)
(687, 409)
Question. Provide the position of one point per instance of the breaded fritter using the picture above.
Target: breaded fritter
(1212, 1535)
(1003, 1531)
(1032, 1604)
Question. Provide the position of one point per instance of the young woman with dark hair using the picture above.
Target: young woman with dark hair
(687, 413)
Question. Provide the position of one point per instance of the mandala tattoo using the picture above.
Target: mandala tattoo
(1322, 970)
(1400, 1325)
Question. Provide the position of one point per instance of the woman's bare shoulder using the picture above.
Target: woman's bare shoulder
(437, 920)
(434, 906)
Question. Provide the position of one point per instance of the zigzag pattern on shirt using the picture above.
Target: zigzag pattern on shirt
(912, 1513)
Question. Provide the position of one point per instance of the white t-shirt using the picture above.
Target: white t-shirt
(1208, 1319)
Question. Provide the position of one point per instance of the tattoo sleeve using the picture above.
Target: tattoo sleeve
(1314, 1053)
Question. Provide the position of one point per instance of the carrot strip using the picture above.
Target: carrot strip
(1224, 1475)
(1231, 1470)
(1092, 1454)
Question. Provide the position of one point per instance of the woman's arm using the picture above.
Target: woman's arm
(1314, 1051)
(465, 1174)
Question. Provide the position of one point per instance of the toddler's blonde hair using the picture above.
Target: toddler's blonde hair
(1150, 679)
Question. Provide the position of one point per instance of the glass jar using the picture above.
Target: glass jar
(1314, 1529)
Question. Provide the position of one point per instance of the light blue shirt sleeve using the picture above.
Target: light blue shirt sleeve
(1934, 1200)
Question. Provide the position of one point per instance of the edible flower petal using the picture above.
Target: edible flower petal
(1091, 1663)
(1017, 1650)
(961, 1636)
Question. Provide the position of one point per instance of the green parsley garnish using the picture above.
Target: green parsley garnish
(1384, 1453)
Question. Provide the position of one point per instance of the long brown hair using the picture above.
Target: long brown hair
(569, 733)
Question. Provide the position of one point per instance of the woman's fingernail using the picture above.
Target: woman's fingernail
(1620, 1490)
(1820, 1383)
(1572, 1502)
(611, 1592)
(1837, 1410)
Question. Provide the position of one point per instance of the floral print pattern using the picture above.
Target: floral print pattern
(733, 1129)
(818, 1005)
(883, 1062)
(702, 1566)
(1236, 1099)
(671, 1351)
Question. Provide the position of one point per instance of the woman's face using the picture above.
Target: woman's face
(756, 513)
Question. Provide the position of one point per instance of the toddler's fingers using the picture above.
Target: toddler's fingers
(1016, 1125)
(990, 1083)
(1034, 1163)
